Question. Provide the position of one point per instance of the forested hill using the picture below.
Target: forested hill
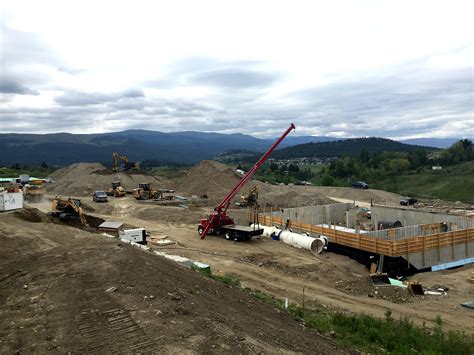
(349, 147)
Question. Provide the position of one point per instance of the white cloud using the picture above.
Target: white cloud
(247, 62)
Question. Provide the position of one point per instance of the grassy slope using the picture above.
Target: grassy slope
(452, 183)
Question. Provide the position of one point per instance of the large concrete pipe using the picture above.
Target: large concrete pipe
(314, 245)
(267, 231)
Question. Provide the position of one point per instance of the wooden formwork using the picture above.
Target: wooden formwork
(373, 244)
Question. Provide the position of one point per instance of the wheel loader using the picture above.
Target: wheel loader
(145, 192)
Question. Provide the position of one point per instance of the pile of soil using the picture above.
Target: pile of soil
(216, 179)
(210, 178)
(33, 215)
(83, 179)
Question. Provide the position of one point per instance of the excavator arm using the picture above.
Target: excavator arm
(60, 205)
(127, 164)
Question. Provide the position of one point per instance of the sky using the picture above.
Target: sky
(395, 69)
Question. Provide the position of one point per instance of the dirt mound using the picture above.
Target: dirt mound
(31, 215)
(216, 180)
(209, 177)
(83, 179)
(289, 196)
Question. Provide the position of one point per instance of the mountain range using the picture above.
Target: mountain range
(181, 147)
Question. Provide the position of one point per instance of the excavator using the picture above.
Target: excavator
(128, 165)
(117, 190)
(218, 222)
(68, 209)
(250, 199)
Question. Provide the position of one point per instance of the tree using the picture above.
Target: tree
(44, 165)
(293, 168)
(364, 155)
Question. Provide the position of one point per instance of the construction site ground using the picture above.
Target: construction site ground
(53, 296)
(70, 269)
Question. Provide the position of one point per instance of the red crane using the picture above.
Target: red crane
(218, 219)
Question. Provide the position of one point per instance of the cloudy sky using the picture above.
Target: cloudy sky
(398, 69)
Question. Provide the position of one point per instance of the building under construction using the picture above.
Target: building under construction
(402, 239)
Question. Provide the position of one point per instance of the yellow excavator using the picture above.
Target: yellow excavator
(250, 199)
(68, 209)
(128, 165)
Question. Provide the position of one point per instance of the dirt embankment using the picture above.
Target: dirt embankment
(53, 296)
(83, 179)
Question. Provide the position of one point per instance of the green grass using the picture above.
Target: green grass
(226, 279)
(37, 172)
(366, 333)
(455, 183)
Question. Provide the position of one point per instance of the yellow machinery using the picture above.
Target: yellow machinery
(251, 198)
(33, 193)
(68, 209)
(145, 192)
(117, 190)
(128, 165)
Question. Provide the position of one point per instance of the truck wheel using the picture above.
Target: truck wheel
(230, 236)
(200, 230)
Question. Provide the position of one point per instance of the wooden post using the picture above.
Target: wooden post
(452, 244)
(423, 245)
(467, 243)
(439, 250)
(408, 252)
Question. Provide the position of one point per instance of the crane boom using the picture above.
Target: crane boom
(225, 202)
(219, 217)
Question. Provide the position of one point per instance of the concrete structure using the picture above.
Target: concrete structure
(330, 214)
(428, 240)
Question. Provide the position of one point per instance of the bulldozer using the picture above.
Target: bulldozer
(145, 192)
(128, 165)
(117, 190)
(68, 209)
(250, 199)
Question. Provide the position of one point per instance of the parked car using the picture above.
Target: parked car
(408, 201)
(360, 185)
(100, 196)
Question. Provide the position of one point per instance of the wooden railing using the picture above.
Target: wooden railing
(374, 244)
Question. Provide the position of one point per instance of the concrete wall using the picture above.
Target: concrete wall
(351, 218)
(461, 253)
(329, 214)
(411, 217)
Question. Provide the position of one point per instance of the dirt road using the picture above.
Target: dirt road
(329, 279)
(53, 296)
